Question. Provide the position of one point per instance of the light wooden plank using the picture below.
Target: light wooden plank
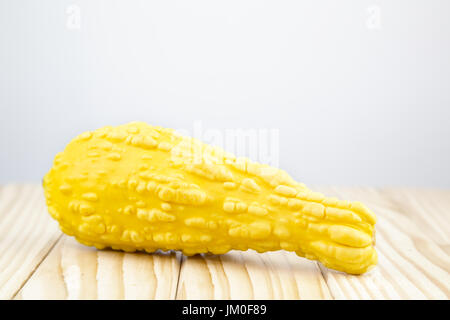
(403, 271)
(427, 208)
(27, 233)
(249, 275)
(412, 242)
(74, 271)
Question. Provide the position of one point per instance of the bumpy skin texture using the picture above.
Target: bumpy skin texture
(139, 187)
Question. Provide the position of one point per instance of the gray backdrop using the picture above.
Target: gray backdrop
(358, 90)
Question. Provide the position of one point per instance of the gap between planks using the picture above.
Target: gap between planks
(27, 235)
(74, 271)
(36, 267)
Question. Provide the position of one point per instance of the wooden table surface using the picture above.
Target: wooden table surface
(38, 262)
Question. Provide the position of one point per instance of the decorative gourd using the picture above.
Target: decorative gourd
(140, 187)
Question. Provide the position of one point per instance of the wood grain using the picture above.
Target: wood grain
(429, 209)
(74, 271)
(249, 275)
(411, 265)
(412, 242)
(27, 233)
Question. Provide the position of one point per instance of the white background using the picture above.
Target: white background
(359, 90)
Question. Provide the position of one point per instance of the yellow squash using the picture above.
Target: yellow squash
(140, 187)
